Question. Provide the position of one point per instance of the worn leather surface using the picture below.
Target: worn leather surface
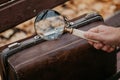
(114, 20)
(68, 58)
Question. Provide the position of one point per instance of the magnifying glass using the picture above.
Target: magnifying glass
(50, 25)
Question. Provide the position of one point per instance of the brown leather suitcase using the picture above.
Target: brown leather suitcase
(68, 58)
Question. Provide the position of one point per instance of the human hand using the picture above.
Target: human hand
(108, 37)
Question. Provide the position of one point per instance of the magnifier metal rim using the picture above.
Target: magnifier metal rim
(44, 11)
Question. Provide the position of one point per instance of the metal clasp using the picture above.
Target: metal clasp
(14, 45)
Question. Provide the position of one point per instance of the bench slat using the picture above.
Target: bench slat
(22, 10)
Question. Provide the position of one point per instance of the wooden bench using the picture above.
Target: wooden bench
(14, 12)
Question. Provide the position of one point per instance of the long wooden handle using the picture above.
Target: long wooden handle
(80, 33)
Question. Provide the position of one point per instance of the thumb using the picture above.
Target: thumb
(93, 36)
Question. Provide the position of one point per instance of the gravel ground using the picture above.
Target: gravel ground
(71, 9)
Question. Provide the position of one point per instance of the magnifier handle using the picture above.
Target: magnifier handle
(80, 33)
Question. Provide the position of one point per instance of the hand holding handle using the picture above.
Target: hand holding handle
(79, 33)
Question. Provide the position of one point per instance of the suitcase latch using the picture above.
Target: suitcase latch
(14, 45)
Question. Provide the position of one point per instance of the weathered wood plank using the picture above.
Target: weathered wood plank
(19, 11)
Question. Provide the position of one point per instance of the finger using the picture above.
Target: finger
(93, 36)
(111, 50)
(90, 42)
(106, 48)
(94, 30)
(97, 29)
(98, 45)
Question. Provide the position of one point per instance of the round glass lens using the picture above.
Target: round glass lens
(49, 25)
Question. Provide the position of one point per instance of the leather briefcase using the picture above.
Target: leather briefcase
(68, 58)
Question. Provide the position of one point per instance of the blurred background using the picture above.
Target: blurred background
(70, 9)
